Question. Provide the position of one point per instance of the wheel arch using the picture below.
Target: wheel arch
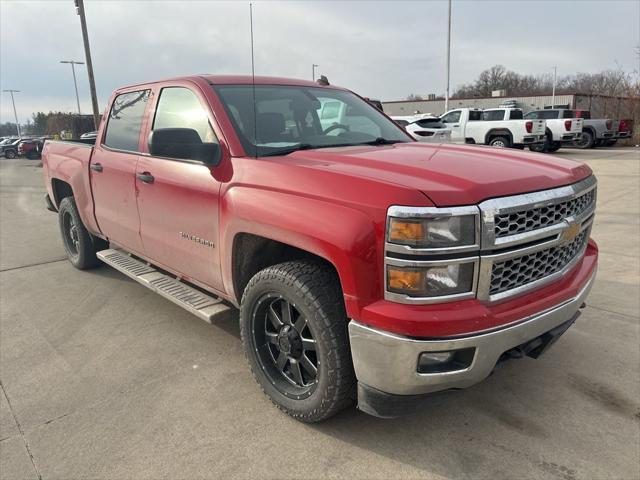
(498, 132)
(60, 190)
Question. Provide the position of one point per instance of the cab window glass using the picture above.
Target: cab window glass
(125, 121)
(179, 107)
(452, 117)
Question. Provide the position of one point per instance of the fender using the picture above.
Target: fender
(346, 237)
(498, 132)
(71, 165)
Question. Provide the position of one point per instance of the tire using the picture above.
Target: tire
(283, 349)
(609, 143)
(500, 142)
(554, 147)
(10, 154)
(587, 140)
(80, 245)
(545, 146)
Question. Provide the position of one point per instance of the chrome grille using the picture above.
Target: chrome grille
(535, 218)
(519, 271)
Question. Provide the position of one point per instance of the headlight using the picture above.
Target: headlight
(433, 232)
(433, 228)
(436, 280)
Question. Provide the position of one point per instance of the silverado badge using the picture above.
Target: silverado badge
(571, 232)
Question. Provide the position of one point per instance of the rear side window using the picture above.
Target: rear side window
(568, 114)
(515, 115)
(542, 115)
(493, 115)
(475, 115)
(125, 121)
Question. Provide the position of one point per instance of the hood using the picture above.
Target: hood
(449, 174)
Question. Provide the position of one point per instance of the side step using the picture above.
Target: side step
(200, 304)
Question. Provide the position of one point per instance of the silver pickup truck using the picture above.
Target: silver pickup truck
(596, 132)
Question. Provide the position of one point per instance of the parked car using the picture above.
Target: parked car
(595, 132)
(10, 148)
(366, 266)
(30, 148)
(496, 127)
(563, 127)
(425, 128)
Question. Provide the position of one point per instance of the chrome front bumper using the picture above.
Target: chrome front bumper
(388, 363)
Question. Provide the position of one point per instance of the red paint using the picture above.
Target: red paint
(330, 202)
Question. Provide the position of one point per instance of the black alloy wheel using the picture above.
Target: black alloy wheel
(285, 346)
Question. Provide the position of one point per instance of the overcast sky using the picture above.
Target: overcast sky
(380, 49)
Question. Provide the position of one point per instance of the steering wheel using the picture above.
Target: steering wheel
(334, 126)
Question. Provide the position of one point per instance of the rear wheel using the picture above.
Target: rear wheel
(545, 146)
(587, 140)
(10, 154)
(294, 333)
(80, 245)
(610, 143)
(500, 142)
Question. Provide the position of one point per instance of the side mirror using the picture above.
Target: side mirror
(183, 144)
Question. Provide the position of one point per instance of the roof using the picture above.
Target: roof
(238, 80)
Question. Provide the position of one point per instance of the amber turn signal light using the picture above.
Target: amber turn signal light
(406, 231)
(404, 280)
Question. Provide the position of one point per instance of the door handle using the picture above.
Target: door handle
(96, 167)
(145, 177)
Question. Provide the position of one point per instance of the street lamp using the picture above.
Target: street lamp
(553, 92)
(446, 97)
(15, 114)
(75, 83)
(313, 72)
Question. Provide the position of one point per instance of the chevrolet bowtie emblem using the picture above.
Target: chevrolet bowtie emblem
(571, 232)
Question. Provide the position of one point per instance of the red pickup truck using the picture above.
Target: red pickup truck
(367, 267)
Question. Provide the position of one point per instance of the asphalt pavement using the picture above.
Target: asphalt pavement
(103, 379)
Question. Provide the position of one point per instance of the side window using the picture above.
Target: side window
(493, 115)
(179, 107)
(125, 121)
(452, 117)
(515, 115)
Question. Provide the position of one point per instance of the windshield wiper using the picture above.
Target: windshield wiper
(288, 150)
(382, 141)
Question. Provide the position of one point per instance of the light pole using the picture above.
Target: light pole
(75, 83)
(553, 92)
(15, 113)
(87, 54)
(446, 98)
(313, 72)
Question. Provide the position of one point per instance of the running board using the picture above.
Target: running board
(200, 304)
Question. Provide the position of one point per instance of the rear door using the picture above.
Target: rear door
(178, 197)
(113, 170)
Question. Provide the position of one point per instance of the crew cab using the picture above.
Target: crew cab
(595, 131)
(498, 127)
(367, 267)
(563, 127)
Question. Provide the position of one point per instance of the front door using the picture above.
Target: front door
(452, 121)
(178, 197)
(113, 171)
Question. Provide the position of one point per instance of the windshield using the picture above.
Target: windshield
(289, 118)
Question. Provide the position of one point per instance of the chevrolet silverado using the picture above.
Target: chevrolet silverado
(368, 268)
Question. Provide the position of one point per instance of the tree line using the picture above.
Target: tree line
(615, 82)
(51, 123)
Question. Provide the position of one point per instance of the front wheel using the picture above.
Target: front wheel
(80, 245)
(294, 333)
(10, 154)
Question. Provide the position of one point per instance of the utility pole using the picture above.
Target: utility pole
(553, 92)
(446, 98)
(75, 83)
(15, 113)
(313, 72)
(87, 54)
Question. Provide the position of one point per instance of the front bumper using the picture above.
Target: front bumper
(387, 363)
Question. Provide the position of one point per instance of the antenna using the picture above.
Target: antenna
(253, 84)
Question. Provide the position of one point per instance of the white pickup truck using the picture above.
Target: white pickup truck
(563, 127)
(497, 127)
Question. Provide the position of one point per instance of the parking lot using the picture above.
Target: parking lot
(101, 378)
